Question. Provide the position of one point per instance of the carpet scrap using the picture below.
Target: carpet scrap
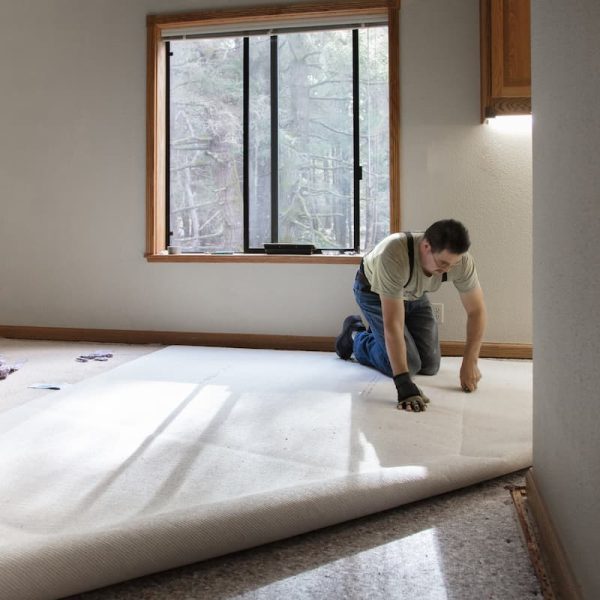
(7, 369)
(98, 355)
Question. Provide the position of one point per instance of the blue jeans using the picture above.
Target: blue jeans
(420, 334)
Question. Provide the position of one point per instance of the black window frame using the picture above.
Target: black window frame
(357, 167)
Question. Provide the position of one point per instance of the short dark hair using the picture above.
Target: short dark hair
(448, 234)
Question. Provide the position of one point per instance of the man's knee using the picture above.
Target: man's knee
(371, 352)
(430, 368)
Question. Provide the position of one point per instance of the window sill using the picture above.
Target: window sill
(312, 259)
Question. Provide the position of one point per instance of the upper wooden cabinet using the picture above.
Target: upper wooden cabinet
(505, 57)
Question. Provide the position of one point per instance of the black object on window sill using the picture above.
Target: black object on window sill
(276, 248)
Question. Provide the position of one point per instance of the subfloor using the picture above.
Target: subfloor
(459, 546)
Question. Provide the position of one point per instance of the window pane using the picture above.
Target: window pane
(313, 149)
(374, 136)
(206, 145)
(315, 138)
(259, 140)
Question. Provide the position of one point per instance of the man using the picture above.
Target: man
(391, 288)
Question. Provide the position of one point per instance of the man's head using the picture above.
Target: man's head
(448, 234)
(443, 245)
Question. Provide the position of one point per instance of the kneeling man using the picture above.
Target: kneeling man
(391, 289)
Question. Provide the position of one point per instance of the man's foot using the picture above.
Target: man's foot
(344, 342)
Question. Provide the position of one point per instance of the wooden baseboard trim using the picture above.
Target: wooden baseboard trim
(557, 564)
(123, 336)
(229, 340)
(490, 350)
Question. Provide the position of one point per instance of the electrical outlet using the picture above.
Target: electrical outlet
(438, 311)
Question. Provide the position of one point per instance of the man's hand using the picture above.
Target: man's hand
(409, 395)
(469, 375)
(476, 318)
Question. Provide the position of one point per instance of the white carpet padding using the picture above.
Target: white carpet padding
(188, 453)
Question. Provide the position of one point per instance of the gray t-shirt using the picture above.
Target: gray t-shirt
(387, 268)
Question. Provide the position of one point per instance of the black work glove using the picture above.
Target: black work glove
(409, 395)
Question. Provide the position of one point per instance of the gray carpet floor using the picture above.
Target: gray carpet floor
(462, 545)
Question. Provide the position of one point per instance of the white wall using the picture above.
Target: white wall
(455, 167)
(566, 226)
(72, 168)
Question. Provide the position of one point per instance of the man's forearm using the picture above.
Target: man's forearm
(396, 350)
(476, 322)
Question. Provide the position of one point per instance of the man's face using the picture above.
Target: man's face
(438, 262)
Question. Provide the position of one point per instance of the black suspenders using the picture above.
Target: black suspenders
(411, 254)
(411, 257)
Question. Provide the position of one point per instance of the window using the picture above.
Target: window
(276, 135)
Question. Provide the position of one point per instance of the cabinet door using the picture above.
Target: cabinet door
(511, 48)
(505, 57)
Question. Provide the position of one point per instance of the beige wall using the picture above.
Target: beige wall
(566, 225)
(72, 167)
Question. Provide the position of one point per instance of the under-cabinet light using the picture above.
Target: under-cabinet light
(511, 123)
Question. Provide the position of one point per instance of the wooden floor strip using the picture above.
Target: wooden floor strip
(519, 497)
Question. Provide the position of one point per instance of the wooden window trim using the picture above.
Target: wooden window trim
(155, 112)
